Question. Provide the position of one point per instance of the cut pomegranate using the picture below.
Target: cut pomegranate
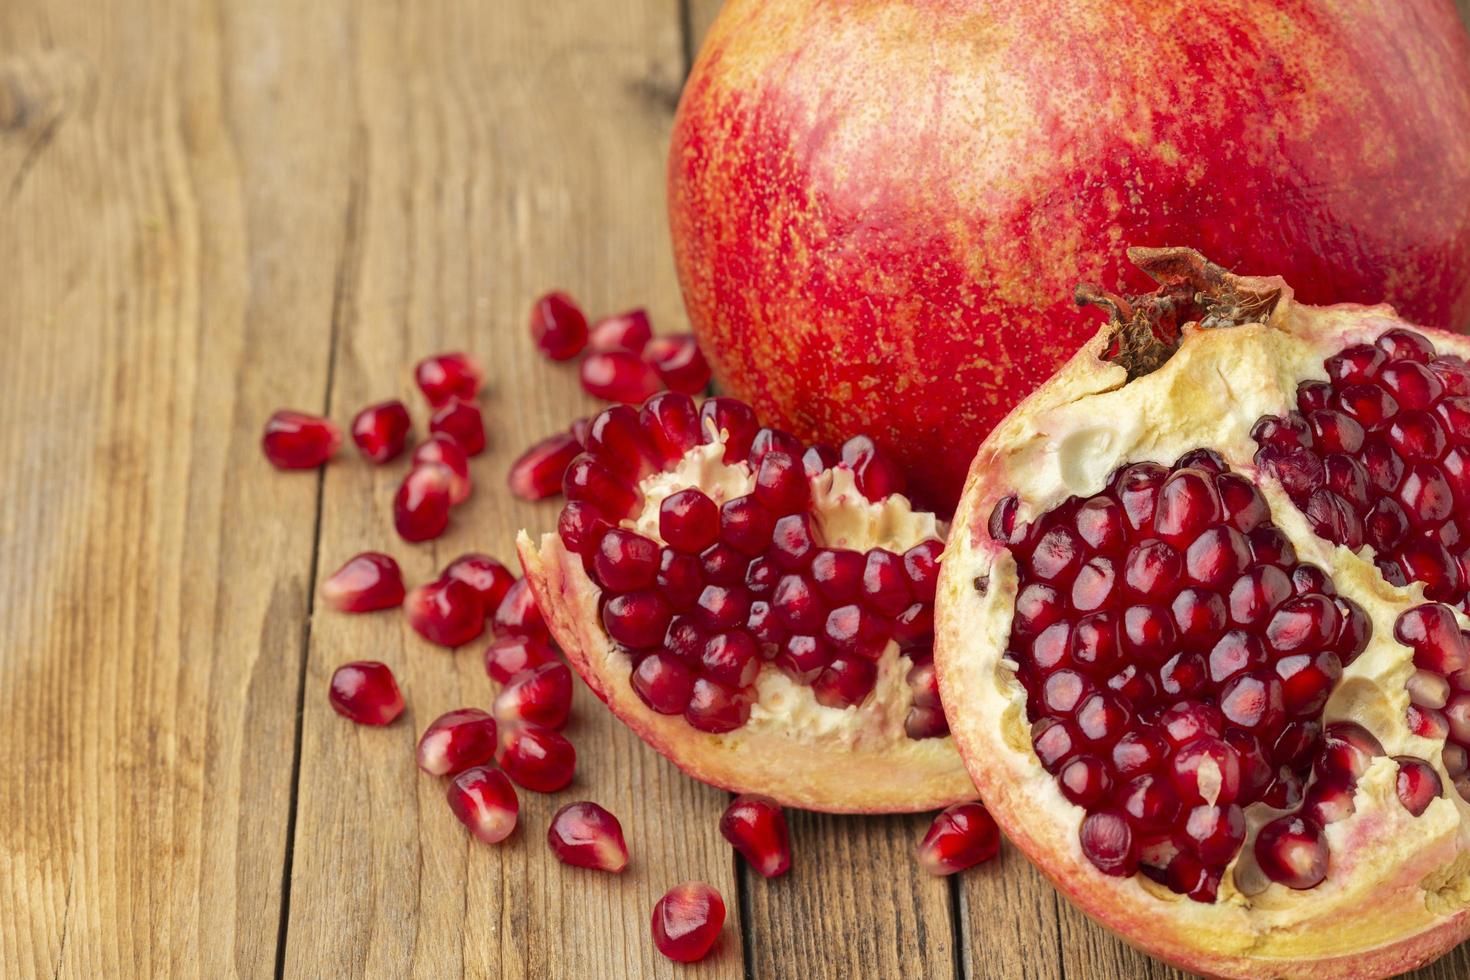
(456, 741)
(445, 377)
(509, 655)
(381, 430)
(628, 331)
(421, 506)
(366, 692)
(541, 695)
(712, 590)
(679, 362)
(447, 612)
(539, 471)
(687, 921)
(445, 451)
(618, 376)
(1165, 677)
(462, 422)
(485, 802)
(489, 578)
(537, 758)
(366, 582)
(585, 835)
(961, 837)
(300, 441)
(756, 826)
(558, 326)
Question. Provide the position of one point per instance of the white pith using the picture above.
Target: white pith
(1398, 886)
(794, 749)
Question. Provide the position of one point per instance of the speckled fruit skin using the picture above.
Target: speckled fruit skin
(879, 209)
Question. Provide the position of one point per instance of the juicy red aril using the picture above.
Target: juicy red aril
(756, 826)
(421, 505)
(509, 655)
(1107, 841)
(846, 681)
(960, 837)
(793, 544)
(855, 631)
(381, 430)
(462, 422)
(618, 376)
(299, 441)
(581, 527)
(366, 692)
(1434, 634)
(587, 478)
(781, 485)
(1214, 833)
(539, 696)
(558, 326)
(731, 659)
(672, 423)
(716, 708)
(680, 579)
(1417, 784)
(679, 363)
(722, 607)
(445, 377)
(1084, 780)
(664, 683)
(489, 578)
(518, 614)
(625, 560)
(443, 450)
(456, 741)
(628, 331)
(1347, 750)
(366, 582)
(769, 440)
(877, 476)
(485, 802)
(689, 521)
(819, 458)
(746, 525)
(837, 574)
(1292, 851)
(885, 585)
(538, 472)
(447, 612)
(734, 421)
(536, 758)
(687, 921)
(616, 437)
(585, 835)
(636, 619)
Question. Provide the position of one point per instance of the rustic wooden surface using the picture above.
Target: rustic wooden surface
(208, 211)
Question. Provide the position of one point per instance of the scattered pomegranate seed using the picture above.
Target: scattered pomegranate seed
(366, 692)
(365, 583)
(447, 612)
(539, 471)
(628, 331)
(421, 506)
(509, 655)
(960, 837)
(444, 450)
(585, 835)
(518, 614)
(445, 377)
(489, 578)
(618, 376)
(1417, 784)
(381, 430)
(462, 422)
(456, 741)
(537, 758)
(541, 696)
(687, 921)
(558, 326)
(298, 441)
(679, 363)
(485, 802)
(756, 826)
(1292, 851)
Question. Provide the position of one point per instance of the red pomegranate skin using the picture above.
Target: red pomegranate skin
(880, 210)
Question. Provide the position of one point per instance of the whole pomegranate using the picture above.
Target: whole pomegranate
(1201, 628)
(879, 209)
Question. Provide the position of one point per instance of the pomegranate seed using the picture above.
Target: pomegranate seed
(818, 459)
(541, 696)
(877, 476)
(585, 835)
(447, 612)
(587, 478)
(462, 422)
(1084, 780)
(618, 376)
(768, 440)
(489, 578)
(837, 575)
(445, 451)
(365, 583)
(687, 921)
(756, 826)
(456, 741)
(845, 682)
(745, 525)
(689, 521)
(885, 585)
(854, 631)
(421, 506)
(680, 579)
(921, 723)
(445, 377)
(1347, 750)
(664, 684)
(960, 837)
(1206, 769)
(381, 430)
(538, 759)
(731, 659)
(636, 619)
(509, 655)
(366, 692)
(679, 362)
(671, 422)
(781, 485)
(625, 560)
(518, 614)
(538, 472)
(581, 527)
(921, 563)
(558, 326)
(715, 708)
(733, 422)
(1292, 852)
(485, 802)
(1434, 634)
(793, 543)
(1214, 833)
(1108, 843)
(628, 331)
(299, 441)
(1417, 784)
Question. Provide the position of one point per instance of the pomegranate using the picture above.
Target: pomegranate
(878, 210)
(1190, 683)
(755, 609)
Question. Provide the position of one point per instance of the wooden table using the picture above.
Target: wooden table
(212, 210)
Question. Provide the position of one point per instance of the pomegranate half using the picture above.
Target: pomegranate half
(757, 610)
(1199, 629)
